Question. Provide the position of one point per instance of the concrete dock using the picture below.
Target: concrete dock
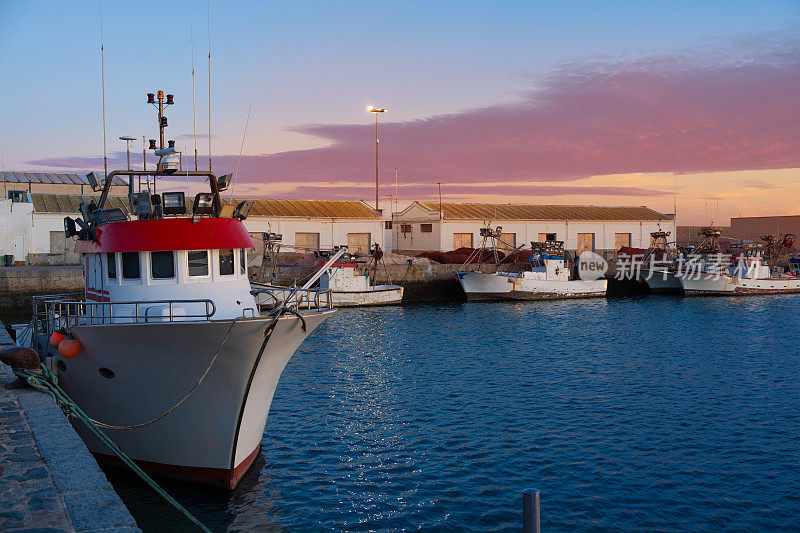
(48, 479)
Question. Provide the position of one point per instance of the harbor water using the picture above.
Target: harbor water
(629, 414)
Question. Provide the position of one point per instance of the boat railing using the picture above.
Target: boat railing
(53, 312)
(296, 299)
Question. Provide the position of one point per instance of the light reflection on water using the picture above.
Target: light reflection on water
(641, 413)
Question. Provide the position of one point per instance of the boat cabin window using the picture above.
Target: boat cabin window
(111, 265)
(226, 262)
(242, 261)
(130, 265)
(162, 265)
(198, 263)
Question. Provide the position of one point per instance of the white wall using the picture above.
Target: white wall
(16, 228)
(332, 232)
(525, 231)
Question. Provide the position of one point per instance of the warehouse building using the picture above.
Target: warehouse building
(752, 228)
(32, 225)
(449, 226)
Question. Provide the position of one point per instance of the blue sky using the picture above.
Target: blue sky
(303, 63)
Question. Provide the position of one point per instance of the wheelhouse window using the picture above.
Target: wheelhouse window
(162, 265)
(198, 263)
(130, 265)
(111, 265)
(226, 262)
(242, 261)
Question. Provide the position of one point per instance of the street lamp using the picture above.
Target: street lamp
(128, 147)
(377, 111)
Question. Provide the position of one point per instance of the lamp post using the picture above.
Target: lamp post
(377, 111)
(128, 147)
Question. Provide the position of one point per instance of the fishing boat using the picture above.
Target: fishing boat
(658, 266)
(545, 277)
(754, 271)
(165, 347)
(347, 286)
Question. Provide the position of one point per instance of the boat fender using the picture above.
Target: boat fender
(57, 337)
(69, 347)
(19, 357)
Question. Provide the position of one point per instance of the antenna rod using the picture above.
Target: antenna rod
(103, 88)
(209, 85)
(194, 105)
(239, 160)
(440, 199)
(144, 153)
(396, 191)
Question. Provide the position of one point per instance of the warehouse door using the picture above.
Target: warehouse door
(462, 240)
(585, 242)
(358, 242)
(622, 240)
(507, 241)
(546, 237)
(306, 242)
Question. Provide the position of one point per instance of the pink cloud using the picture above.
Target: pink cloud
(665, 114)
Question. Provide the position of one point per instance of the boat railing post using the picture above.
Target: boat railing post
(530, 511)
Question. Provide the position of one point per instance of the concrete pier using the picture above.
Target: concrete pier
(48, 479)
(19, 284)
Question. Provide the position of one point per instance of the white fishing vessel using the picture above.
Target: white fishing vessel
(658, 266)
(546, 277)
(749, 273)
(165, 347)
(347, 286)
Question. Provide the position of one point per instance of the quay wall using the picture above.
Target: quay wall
(19, 284)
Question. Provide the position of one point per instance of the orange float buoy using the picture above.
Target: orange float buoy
(56, 338)
(69, 347)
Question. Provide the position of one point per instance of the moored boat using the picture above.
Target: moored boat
(165, 348)
(545, 277)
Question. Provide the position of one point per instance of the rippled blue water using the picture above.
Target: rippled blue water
(636, 414)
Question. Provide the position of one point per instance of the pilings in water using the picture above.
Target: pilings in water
(531, 517)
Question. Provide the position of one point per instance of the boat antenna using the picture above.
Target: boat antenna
(239, 160)
(103, 89)
(209, 85)
(194, 104)
(396, 190)
(440, 199)
(675, 200)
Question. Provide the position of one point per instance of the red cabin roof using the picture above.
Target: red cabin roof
(168, 234)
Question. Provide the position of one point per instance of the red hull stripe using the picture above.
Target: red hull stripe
(224, 478)
(168, 234)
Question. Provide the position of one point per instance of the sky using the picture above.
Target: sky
(675, 105)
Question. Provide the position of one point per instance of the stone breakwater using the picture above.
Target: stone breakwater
(19, 284)
(48, 479)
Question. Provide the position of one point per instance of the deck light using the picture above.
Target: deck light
(174, 203)
(203, 204)
(170, 99)
(223, 181)
(242, 210)
(160, 95)
(151, 98)
(152, 144)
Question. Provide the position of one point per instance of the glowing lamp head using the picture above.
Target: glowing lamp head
(160, 95)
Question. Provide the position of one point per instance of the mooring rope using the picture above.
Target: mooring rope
(48, 383)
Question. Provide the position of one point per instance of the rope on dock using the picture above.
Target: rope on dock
(48, 383)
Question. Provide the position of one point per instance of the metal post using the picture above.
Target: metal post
(530, 511)
(376, 161)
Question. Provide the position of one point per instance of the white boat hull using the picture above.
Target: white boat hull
(661, 281)
(378, 295)
(479, 286)
(709, 284)
(270, 296)
(215, 434)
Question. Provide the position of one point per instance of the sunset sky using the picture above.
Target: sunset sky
(605, 103)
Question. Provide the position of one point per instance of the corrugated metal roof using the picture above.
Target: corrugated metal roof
(496, 212)
(69, 204)
(50, 177)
